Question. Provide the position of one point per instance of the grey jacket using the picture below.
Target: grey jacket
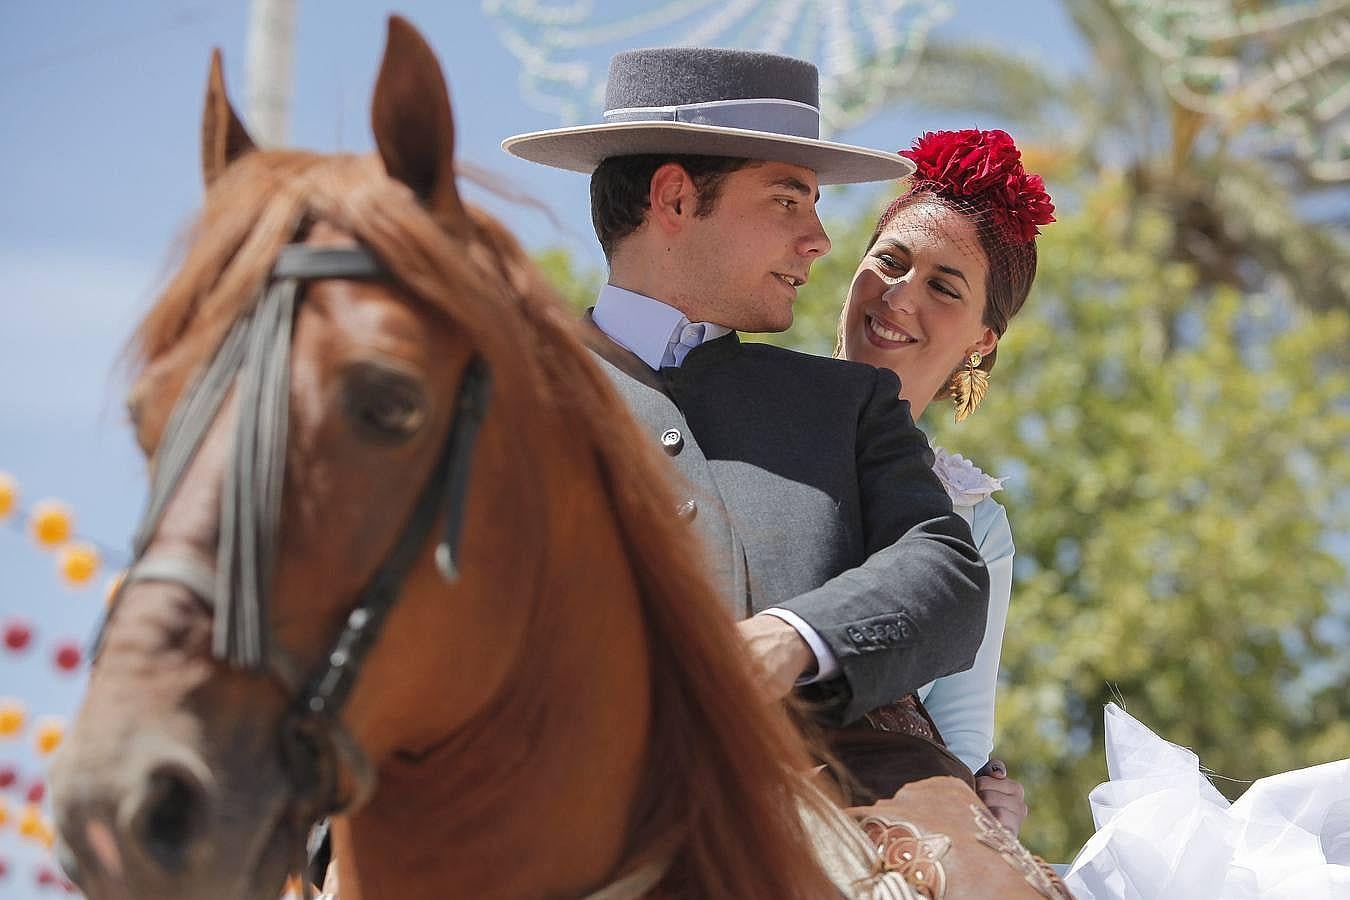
(814, 492)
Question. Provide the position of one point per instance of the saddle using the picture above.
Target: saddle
(934, 840)
(912, 811)
(893, 745)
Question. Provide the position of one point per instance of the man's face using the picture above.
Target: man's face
(744, 262)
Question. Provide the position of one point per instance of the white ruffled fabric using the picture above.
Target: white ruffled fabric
(966, 483)
(1165, 832)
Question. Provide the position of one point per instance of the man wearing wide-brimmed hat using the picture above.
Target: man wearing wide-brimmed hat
(806, 477)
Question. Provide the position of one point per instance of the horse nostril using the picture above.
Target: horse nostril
(171, 817)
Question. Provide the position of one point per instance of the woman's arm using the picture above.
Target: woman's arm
(962, 705)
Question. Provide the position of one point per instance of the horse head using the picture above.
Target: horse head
(406, 562)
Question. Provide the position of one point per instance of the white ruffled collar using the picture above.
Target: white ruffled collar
(966, 483)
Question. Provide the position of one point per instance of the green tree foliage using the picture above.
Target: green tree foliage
(577, 285)
(1178, 488)
(1179, 478)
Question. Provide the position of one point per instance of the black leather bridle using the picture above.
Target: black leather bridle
(254, 360)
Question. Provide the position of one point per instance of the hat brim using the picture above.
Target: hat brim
(581, 149)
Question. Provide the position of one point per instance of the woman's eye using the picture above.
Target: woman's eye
(891, 262)
(947, 291)
(383, 406)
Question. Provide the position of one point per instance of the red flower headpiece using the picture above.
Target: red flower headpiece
(984, 165)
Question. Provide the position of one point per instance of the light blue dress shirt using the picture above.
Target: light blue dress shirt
(661, 336)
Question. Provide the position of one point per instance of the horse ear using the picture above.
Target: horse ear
(411, 118)
(224, 137)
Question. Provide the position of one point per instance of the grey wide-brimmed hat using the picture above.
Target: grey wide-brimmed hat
(714, 103)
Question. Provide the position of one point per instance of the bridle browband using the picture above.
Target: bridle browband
(254, 359)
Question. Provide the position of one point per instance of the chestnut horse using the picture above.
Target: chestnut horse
(519, 683)
(407, 562)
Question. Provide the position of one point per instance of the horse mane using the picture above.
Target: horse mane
(740, 764)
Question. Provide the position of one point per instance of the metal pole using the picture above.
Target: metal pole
(271, 50)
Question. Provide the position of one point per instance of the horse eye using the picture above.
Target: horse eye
(384, 406)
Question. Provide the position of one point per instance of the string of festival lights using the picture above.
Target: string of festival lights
(78, 562)
(1283, 67)
(864, 48)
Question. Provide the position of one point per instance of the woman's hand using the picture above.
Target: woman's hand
(1004, 797)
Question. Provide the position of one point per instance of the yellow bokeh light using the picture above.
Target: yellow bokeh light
(11, 718)
(49, 736)
(9, 495)
(79, 563)
(52, 523)
(4, 813)
(30, 821)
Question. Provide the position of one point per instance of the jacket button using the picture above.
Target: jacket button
(672, 441)
(687, 510)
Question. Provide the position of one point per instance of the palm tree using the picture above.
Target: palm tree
(1231, 116)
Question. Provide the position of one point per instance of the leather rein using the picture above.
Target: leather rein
(254, 360)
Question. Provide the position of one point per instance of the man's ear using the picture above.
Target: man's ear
(224, 137)
(672, 197)
(414, 128)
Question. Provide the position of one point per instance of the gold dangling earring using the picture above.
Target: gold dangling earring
(968, 386)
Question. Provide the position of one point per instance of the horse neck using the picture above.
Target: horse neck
(534, 800)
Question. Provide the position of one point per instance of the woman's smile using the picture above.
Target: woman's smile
(885, 334)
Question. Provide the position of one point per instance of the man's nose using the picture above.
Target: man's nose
(815, 242)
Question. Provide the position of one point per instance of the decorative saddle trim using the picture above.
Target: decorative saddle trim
(1037, 873)
(909, 853)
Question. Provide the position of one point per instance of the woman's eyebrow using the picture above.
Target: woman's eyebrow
(951, 270)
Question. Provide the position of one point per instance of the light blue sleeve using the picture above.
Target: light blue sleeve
(962, 705)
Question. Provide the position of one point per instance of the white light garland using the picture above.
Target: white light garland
(864, 48)
(1284, 67)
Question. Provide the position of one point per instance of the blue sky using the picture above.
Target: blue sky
(99, 113)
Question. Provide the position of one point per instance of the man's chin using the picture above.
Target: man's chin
(774, 324)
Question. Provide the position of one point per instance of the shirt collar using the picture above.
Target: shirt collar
(644, 325)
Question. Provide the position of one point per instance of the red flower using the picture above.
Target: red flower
(985, 165)
(1022, 204)
(965, 162)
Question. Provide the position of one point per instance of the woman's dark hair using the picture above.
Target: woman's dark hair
(620, 185)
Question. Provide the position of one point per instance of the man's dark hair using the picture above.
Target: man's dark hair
(620, 185)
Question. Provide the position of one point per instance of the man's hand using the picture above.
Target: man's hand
(779, 652)
(1001, 794)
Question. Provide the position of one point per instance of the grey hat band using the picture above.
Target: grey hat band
(769, 115)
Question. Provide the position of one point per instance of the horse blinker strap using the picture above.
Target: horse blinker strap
(448, 486)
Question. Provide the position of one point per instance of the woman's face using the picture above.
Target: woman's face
(916, 305)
